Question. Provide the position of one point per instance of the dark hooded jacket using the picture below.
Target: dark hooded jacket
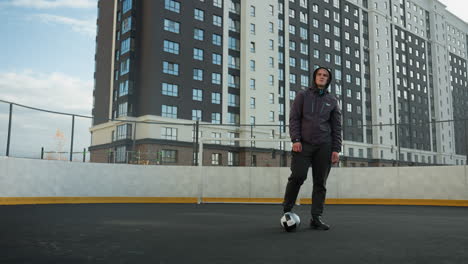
(315, 117)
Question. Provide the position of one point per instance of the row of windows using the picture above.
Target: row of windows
(197, 94)
(173, 69)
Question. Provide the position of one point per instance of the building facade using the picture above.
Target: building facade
(235, 66)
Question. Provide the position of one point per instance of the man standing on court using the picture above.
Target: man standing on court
(315, 130)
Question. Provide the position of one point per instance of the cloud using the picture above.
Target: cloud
(87, 27)
(47, 4)
(54, 91)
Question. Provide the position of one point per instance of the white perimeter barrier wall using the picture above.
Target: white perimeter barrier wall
(44, 178)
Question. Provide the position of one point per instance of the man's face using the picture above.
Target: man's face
(321, 78)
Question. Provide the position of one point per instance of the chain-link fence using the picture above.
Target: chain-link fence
(28, 132)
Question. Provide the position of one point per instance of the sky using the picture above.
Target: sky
(47, 61)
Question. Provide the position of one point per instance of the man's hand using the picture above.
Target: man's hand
(297, 147)
(335, 157)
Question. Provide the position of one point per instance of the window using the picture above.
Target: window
(215, 78)
(169, 156)
(271, 27)
(196, 115)
(292, 78)
(252, 29)
(292, 95)
(234, 62)
(198, 74)
(304, 80)
(197, 95)
(303, 33)
(233, 118)
(233, 158)
(271, 116)
(271, 62)
(169, 111)
(216, 40)
(215, 118)
(292, 61)
(234, 25)
(315, 23)
(252, 102)
(215, 98)
(198, 34)
(304, 49)
(337, 45)
(124, 67)
(271, 44)
(336, 31)
(271, 80)
(199, 14)
(171, 26)
(315, 8)
(171, 68)
(292, 45)
(126, 25)
(217, 21)
(170, 89)
(303, 17)
(216, 159)
(252, 120)
(172, 5)
(305, 63)
(125, 46)
(234, 43)
(198, 54)
(124, 131)
(252, 11)
(252, 65)
(233, 81)
(252, 84)
(123, 108)
(169, 133)
(316, 38)
(121, 154)
(292, 29)
(217, 59)
(271, 98)
(126, 6)
(218, 3)
(233, 100)
(338, 60)
(171, 47)
(123, 88)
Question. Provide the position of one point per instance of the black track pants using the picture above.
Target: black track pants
(319, 156)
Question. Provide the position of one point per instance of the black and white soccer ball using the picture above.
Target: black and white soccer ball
(290, 221)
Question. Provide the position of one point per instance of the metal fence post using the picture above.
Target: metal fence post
(197, 127)
(72, 136)
(251, 145)
(466, 140)
(9, 131)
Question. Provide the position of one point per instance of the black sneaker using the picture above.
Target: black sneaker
(317, 223)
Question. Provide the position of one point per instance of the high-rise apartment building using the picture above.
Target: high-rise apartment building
(399, 69)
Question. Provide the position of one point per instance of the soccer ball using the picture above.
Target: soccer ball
(290, 221)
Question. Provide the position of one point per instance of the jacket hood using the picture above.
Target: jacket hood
(314, 86)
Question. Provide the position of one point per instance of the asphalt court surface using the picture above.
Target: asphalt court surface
(230, 233)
